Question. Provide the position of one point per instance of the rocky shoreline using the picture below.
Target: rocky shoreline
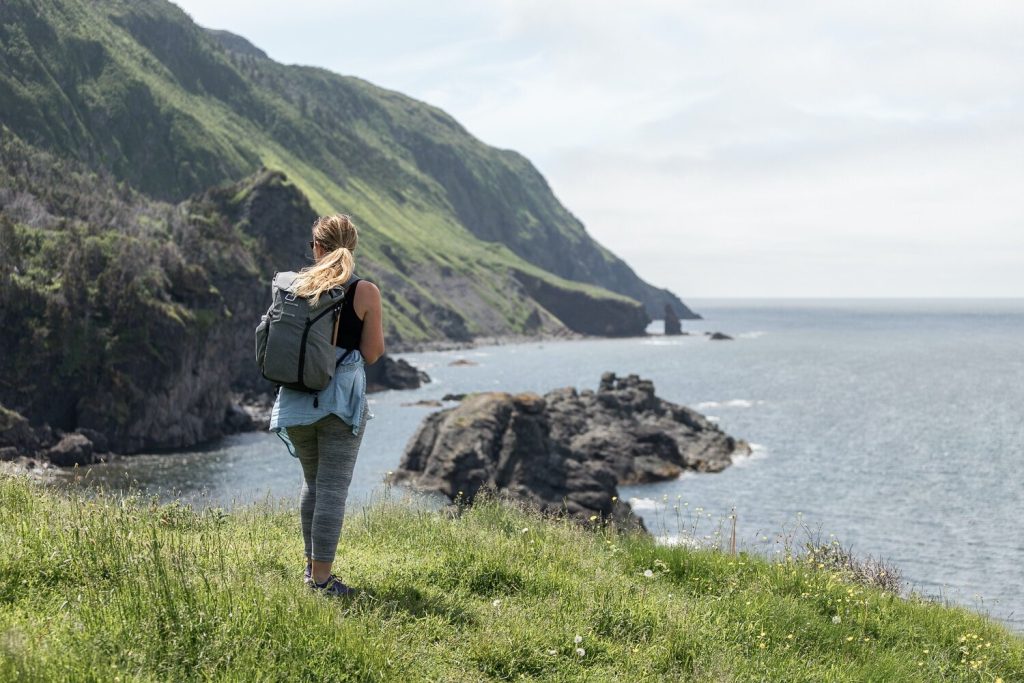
(565, 452)
(32, 447)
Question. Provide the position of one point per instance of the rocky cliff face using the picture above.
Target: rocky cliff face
(129, 318)
(585, 313)
(566, 451)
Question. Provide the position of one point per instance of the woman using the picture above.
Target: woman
(325, 429)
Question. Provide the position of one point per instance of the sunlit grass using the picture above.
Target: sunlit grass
(109, 588)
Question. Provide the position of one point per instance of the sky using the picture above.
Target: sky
(723, 149)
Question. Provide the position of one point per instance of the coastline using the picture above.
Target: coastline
(249, 412)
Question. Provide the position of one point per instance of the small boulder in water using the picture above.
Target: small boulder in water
(72, 449)
(388, 373)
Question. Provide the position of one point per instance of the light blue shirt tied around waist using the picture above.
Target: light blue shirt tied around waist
(345, 397)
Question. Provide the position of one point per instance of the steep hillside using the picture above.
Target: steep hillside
(153, 174)
(137, 89)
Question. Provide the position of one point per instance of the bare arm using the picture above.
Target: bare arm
(367, 307)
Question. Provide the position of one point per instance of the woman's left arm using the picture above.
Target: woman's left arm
(367, 307)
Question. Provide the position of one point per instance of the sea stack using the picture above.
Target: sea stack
(672, 324)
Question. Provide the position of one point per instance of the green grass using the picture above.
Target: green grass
(110, 589)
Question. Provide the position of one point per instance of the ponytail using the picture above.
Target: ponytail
(338, 235)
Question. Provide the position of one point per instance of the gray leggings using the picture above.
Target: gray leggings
(327, 450)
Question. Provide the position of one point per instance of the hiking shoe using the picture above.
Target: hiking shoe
(332, 586)
(307, 574)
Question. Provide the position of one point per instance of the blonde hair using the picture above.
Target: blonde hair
(337, 236)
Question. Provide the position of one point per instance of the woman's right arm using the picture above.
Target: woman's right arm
(367, 307)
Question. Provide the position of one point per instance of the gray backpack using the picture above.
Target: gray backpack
(295, 340)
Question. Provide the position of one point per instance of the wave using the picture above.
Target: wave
(751, 335)
(732, 403)
(643, 504)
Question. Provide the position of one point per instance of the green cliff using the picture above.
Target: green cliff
(155, 173)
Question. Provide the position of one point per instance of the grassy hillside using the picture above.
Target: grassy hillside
(122, 589)
(154, 174)
(137, 90)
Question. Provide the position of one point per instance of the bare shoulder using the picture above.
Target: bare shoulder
(367, 296)
(367, 290)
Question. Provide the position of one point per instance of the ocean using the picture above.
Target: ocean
(895, 427)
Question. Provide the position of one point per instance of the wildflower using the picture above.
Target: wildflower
(525, 530)
(551, 652)
(648, 573)
(593, 518)
(849, 638)
(578, 639)
(580, 651)
(496, 602)
(614, 498)
(836, 619)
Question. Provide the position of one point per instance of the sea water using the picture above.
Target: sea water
(895, 427)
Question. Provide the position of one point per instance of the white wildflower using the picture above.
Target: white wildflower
(580, 651)
(649, 574)
(836, 619)
(552, 652)
(578, 639)
(496, 602)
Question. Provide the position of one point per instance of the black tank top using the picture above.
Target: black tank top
(350, 327)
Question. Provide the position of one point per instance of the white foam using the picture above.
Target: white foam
(757, 452)
(731, 403)
(738, 403)
(712, 418)
(643, 504)
(751, 335)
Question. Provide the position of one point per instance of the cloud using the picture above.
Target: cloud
(840, 148)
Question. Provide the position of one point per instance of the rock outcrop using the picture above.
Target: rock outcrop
(672, 325)
(388, 373)
(584, 313)
(567, 451)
